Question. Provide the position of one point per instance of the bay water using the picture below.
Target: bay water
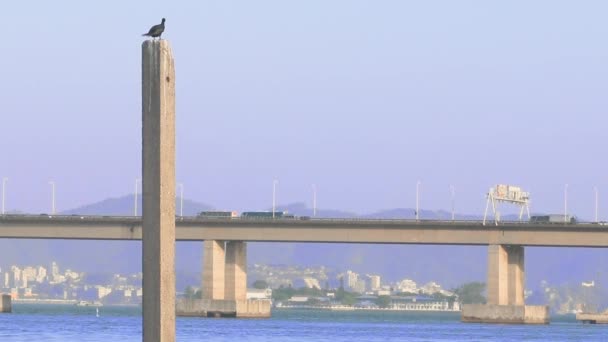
(35, 322)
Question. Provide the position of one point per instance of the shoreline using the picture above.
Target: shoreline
(352, 308)
(64, 302)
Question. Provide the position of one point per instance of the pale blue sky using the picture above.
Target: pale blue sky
(363, 98)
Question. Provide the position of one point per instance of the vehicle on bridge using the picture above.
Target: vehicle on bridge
(218, 214)
(267, 215)
(553, 218)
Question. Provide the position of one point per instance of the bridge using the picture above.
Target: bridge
(393, 231)
(225, 252)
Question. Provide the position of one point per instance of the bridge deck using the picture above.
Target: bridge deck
(310, 230)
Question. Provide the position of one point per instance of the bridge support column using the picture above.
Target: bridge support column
(236, 270)
(224, 285)
(505, 291)
(506, 281)
(6, 303)
(214, 260)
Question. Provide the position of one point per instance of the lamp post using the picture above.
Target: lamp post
(566, 202)
(137, 180)
(417, 200)
(4, 180)
(314, 200)
(274, 195)
(596, 202)
(52, 183)
(181, 199)
(452, 193)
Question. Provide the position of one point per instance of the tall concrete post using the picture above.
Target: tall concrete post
(158, 169)
(236, 270)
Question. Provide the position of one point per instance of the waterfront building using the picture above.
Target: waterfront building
(430, 288)
(408, 285)
(259, 293)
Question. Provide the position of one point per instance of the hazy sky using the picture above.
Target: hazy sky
(363, 98)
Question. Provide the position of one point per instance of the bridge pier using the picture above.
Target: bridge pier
(224, 288)
(505, 291)
(6, 304)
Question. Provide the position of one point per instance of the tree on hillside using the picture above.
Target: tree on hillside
(471, 293)
(383, 301)
(189, 292)
(260, 284)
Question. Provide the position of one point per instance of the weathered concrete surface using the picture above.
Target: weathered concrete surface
(248, 308)
(505, 282)
(317, 230)
(6, 304)
(516, 280)
(214, 264)
(253, 308)
(593, 318)
(236, 270)
(512, 314)
(158, 171)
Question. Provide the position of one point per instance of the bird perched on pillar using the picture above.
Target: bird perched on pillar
(156, 30)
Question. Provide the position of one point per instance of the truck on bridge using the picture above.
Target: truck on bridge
(553, 218)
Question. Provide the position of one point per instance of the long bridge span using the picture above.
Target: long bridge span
(224, 284)
(311, 230)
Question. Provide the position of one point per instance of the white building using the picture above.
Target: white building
(29, 273)
(259, 293)
(311, 282)
(374, 282)
(408, 285)
(103, 291)
(41, 274)
(15, 277)
(431, 287)
(351, 279)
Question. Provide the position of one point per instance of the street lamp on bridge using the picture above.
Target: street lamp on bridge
(452, 195)
(137, 180)
(181, 199)
(274, 195)
(417, 200)
(596, 202)
(314, 200)
(4, 180)
(566, 202)
(52, 183)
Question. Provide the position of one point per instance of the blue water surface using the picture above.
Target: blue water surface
(31, 322)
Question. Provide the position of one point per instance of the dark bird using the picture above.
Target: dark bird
(156, 30)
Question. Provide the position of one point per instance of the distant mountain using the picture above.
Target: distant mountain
(300, 209)
(448, 265)
(125, 206)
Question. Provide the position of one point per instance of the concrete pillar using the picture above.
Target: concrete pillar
(158, 170)
(497, 275)
(6, 304)
(516, 275)
(505, 289)
(214, 263)
(236, 270)
(506, 279)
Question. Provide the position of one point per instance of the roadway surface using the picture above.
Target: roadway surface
(310, 230)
